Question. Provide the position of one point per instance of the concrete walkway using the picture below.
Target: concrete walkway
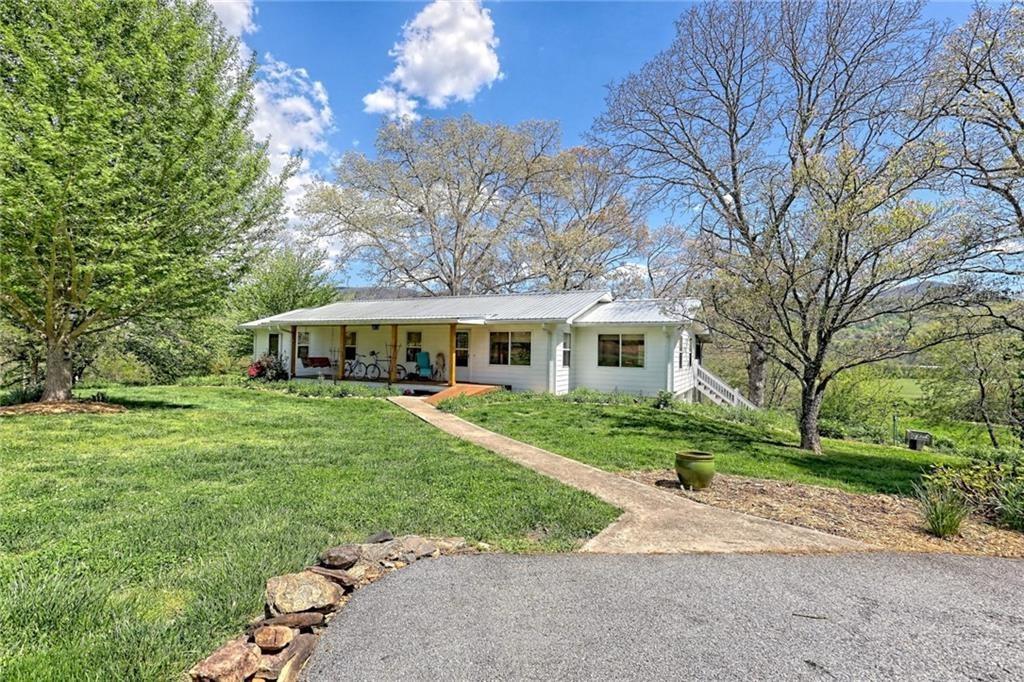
(654, 521)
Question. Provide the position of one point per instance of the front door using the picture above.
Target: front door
(462, 355)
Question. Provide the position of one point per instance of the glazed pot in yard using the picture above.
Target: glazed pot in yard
(695, 469)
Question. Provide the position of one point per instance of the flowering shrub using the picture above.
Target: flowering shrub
(267, 368)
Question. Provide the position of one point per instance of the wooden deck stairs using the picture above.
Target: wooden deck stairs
(462, 389)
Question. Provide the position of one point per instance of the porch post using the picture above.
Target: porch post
(341, 352)
(393, 368)
(451, 355)
(295, 336)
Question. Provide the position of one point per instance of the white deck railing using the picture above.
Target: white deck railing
(718, 391)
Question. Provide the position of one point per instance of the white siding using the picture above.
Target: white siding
(562, 373)
(683, 376)
(646, 380)
(520, 377)
(261, 343)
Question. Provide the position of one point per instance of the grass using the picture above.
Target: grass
(619, 437)
(132, 544)
(943, 508)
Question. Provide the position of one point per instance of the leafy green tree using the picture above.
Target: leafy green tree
(290, 278)
(441, 206)
(980, 379)
(130, 186)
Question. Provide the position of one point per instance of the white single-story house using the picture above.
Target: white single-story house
(552, 342)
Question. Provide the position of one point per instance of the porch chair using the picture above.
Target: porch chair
(423, 367)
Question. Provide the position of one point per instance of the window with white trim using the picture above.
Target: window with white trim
(566, 349)
(462, 348)
(510, 348)
(413, 345)
(350, 345)
(620, 350)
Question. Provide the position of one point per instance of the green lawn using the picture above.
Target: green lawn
(627, 437)
(132, 544)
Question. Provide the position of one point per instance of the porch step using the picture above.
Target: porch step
(462, 389)
(718, 391)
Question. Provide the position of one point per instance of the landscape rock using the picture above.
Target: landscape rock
(366, 572)
(418, 547)
(301, 649)
(300, 620)
(380, 536)
(452, 545)
(233, 662)
(304, 591)
(337, 575)
(273, 637)
(271, 665)
(342, 556)
(392, 550)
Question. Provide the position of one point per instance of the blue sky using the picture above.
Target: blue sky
(554, 61)
(555, 58)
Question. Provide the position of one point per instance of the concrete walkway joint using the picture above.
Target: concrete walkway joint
(654, 521)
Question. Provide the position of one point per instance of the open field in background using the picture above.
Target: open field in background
(131, 544)
(622, 437)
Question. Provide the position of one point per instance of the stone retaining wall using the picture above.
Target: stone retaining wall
(300, 605)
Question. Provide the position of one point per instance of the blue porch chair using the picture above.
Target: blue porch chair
(423, 367)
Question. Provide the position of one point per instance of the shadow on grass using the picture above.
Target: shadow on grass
(875, 472)
(147, 404)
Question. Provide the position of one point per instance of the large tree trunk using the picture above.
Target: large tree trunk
(757, 361)
(810, 406)
(58, 372)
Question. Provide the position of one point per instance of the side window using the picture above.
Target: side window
(510, 348)
(520, 350)
(413, 345)
(607, 350)
(462, 349)
(566, 350)
(302, 344)
(350, 345)
(499, 348)
(274, 344)
(632, 350)
(620, 350)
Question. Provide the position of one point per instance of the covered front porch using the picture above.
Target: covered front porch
(422, 357)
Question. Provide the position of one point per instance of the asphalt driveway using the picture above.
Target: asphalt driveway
(578, 616)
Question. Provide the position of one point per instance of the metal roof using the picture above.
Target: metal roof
(553, 307)
(641, 311)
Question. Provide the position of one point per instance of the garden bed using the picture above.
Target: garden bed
(888, 521)
(63, 407)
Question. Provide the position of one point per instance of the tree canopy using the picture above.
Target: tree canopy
(130, 185)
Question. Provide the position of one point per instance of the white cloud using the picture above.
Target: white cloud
(294, 114)
(391, 102)
(238, 16)
(447, 53)
(292, 110)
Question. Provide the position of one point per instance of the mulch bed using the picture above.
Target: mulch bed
(66, 407)
(887, 521)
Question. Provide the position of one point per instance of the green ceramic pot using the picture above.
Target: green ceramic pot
(695, 469)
